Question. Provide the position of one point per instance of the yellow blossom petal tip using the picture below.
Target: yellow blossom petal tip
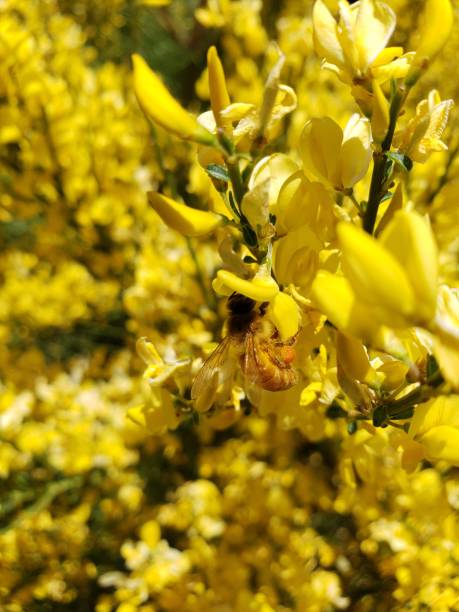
(219, 98)
(435, 26)
(375, 274)
(285, 314)
(159, 105)
(436, 426)
(260, 289)
(188, 221)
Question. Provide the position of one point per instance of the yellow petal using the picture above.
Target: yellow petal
(260, 289)
(320, 148)
(387, 55)
(354, 360)
(188, 221)
(439, 411)
(326, 41)
(296, 257)
(147, 352)
(380, 115)
(334, 297)
(355, 153)
(435, 26)
(156, 416)
(276, 168)
(442, 443)
(446, 350)
(160, 106)
(410, 240)
(374, 273)
(219, 98)
(397, 69)
(284, 313)
(302, 202)
(374, 26)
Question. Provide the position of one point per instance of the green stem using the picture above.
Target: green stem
(236, 179)
(380, 161)
(350, 194)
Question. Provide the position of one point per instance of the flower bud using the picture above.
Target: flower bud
(160, 106)
(188, 221)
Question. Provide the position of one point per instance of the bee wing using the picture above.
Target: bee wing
(216, 372)
(250, 364)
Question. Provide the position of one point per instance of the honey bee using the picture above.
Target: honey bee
(253, 345)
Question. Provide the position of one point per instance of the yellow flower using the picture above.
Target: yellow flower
(336, 157)
(263, 188)
(397, 274)
(296, 257)
(434, 28)
(435, 425)
(285, 315)
(188, 221)
(333, 295)
(391, 281)
(160, 106)
(353, 359)
(219, 98)
(446, 330)
(261, 288)
(422, 135)
(352, 44)
(302, 202)
(158, 413)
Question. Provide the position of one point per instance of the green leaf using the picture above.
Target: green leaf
(220, 173)
(400, 159)
(352, 427)
(334, 411)
(379, 416)
(386, 196)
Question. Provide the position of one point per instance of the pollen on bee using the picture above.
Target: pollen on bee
(288, 354)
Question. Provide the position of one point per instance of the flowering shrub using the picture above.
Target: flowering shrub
(229, 308)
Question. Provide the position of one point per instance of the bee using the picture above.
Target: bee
(253, 345)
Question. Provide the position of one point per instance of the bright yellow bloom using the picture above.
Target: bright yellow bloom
(160, 106)
(188, 221)
(284, 313)
(296, 257)
(219, 98)
(391, 281)
(422, 135)
(397, 274)
(158, 413)
(435, 26)
(261, 288)
(352, 44)
(408, 237)
(446, 330)
(353, 358)
(334, 296)
(339, 158)
(263, 187)
(435, 425)
(302, 202)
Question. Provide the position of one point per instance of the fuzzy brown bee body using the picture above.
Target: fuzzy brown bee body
(252, 344)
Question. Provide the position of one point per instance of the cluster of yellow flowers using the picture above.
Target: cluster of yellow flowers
(308, 464)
